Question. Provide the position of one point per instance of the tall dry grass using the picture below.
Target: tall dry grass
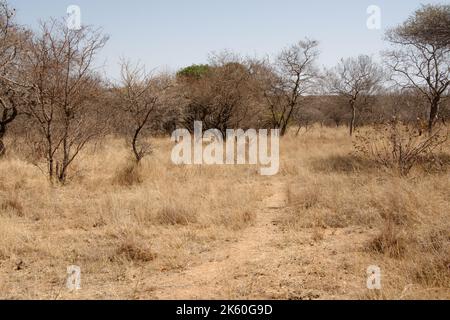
(110, 217)
(405, 221)
(119, 221)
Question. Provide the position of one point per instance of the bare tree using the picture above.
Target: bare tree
(139, 94)
(293, 75)
(355, 79)
(64, 109)
(7, 114)
(8, 37)
(421, 62)
(12, 38)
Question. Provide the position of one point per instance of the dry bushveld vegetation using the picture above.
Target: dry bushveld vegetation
(86, 176)
(378, 216)
(132, 236)
(112, 225)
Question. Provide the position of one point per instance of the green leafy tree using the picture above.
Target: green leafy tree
(194, 71)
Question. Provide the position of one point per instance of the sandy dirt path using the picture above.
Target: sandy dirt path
(233, 271)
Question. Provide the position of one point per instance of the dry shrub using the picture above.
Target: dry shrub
(396, 203)
(129, 175)
(390, 241)
(12, 205)
(398, 145)
(133, 250)
(241, 219)
(235, 219)
(435, 163)
(304, 197)
(173, 214)
(431, 263)
(432, 271)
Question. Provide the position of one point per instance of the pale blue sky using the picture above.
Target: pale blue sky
(171, 34)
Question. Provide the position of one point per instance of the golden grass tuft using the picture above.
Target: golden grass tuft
(133, 250)
(129, 175)
(12, 206)
(390, 241)
(175, 215)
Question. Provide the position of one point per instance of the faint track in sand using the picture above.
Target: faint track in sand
(232, 270)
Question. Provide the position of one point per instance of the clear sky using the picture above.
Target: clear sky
(169, 34)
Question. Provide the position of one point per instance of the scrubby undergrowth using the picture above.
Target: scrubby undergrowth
(123, 224)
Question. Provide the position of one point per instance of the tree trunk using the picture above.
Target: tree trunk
(2, 145)
(62, 169)
(50, 169)
(2, 148)
(283, 130)
(136, 153)
(6, 118)
(49, 157)
(2, 134)
(61, 173)
(352, 120)
(434, 113)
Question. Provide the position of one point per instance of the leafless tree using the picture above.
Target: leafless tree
(8, 37)
(139, 94)
(7, 114)
(12, 39)
(421, 62)
(355, 79)
(64, 109)
(399, 145)
(294, 74)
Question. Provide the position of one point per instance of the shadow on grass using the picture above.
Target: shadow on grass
(435, 164)
(349, 163)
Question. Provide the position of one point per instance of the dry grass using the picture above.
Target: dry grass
(129, 175)
(175, 214)
(403, 223)
(133, 250)
(132, 228)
